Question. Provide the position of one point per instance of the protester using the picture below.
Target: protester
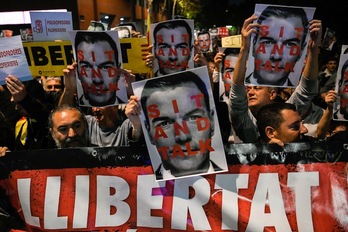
(31, 103)
(51, 83)
(68, 127)
(327, 81)
(245, 103)
(107, 129)
(107, 126)
(280, 123)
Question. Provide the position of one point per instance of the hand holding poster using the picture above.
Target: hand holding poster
(13, 60)
(172, 46)
(180, 124)
(99, 75)
(278, 50)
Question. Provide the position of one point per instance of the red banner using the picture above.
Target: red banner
(115, 191)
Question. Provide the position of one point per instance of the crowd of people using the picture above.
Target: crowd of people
(44, 113)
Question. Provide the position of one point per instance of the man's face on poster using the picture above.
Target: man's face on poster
(227, 71)
(172, 49)
(277, 49)
(344, 94)
(181, 127)
(97, 71)
(204, 42)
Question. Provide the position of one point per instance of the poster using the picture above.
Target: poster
(99, 77)
(277, 52)
(205, 42)
(227, 66)
(50, 58)
(180, 124)
(341, 105)
(13, 60)
(172, 46)
(51, 26)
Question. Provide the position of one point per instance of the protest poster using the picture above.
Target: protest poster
(48, 58)
(51, 26)
(13, 60)
(328, 38)
(204, 40)
(227, 66)
(180, 124)
(172, 46)
(234, 41)
(277, 52)
(341, 105)
(301, 187)
(99, 77)
(134, 52)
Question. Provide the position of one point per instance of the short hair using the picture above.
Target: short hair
(172, 25)
(285, 12)
(203, 32)
(56, 78)
(271, 115)
(170, 82)
(94, 37)
(61, 108)
(331, 58)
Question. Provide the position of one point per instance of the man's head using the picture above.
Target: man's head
(172, 45)
(68, 127)
(279, 44)
(280, 121)
(98, 64)
(331, 64)
(204, 41)
(259, 96)
(52, 84)
(107, 117)
(179, 121)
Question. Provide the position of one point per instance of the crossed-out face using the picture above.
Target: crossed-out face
(97, 71)
(277, 49)
(172, 49)
(181, 127)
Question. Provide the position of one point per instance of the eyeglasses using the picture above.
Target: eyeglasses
(53, 87)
